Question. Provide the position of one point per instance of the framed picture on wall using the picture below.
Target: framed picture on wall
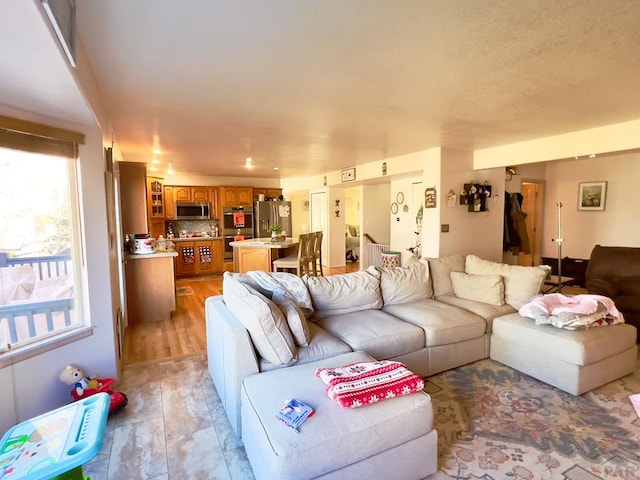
(592, 196)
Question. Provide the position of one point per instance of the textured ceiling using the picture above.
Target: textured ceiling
(311, 86)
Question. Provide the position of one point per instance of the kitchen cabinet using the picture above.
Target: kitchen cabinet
(267, 192)
(200, 194)
(186, 259)
(231, 196)
(156, 228)
(199, 257)
(169, 204)
(191, 194)
(215, 210)
(155, 198)
(133, 197)
(151, 289)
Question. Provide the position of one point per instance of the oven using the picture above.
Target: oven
(236, 218)
(237, 223)
(228, 249)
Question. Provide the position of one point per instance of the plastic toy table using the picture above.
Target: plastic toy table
(56, 444)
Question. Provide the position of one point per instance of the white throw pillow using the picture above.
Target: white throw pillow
(521, 284)
(344, 293)
(405, 284)
(263, 319)
(480, 288)
(439, 271)
(296, 318)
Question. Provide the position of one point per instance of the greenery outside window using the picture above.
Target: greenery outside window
(40, 248)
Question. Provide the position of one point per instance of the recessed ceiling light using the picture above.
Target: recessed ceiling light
(154, 160)
(593, 155)
(157, 151)
(170, 169)
(153, 169)
(275, 169)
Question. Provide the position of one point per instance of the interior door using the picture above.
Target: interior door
(532, 193)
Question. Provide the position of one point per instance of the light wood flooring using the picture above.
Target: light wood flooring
(184, 334)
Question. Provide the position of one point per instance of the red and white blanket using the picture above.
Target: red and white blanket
(362, 383)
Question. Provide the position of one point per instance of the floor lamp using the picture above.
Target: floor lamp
(559, 241)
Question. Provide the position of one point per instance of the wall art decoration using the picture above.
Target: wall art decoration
(592, 196)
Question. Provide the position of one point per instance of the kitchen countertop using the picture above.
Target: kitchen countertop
(265, 243)
(144, 256)
(192, 239)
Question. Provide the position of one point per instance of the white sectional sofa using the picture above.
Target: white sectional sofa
(435, 315)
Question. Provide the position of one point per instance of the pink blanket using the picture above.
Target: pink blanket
(578, 311)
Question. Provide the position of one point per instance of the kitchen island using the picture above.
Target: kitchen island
(259, 253)
(151, 288)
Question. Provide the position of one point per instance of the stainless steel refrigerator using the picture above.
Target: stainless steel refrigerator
(267, 213)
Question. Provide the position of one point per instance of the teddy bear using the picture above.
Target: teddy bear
(72, 375)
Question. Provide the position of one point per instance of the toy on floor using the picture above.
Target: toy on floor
(84, 386)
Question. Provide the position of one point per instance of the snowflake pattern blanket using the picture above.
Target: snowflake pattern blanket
(362, 383)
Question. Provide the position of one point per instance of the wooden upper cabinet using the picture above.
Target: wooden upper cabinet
(200, 194)
(182, 194)
(215, 203)
(228, 196)
(169, 204)
(267, 192)
(245, 195)
(155, 198)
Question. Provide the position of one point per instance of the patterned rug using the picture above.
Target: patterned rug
(496, 423)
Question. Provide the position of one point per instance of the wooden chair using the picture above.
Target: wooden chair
(298, 262)
(315, 253)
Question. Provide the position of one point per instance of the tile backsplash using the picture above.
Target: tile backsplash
(203, 226)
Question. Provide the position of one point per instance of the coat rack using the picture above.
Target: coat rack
(559, 241)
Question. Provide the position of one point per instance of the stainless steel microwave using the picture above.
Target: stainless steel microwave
(193, 211)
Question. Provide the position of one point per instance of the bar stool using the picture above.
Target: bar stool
(298, 262)
(315, 253)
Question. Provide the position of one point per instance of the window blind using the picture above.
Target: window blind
(38, 138)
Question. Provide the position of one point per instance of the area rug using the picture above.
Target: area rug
(184, 291)
(496, 423)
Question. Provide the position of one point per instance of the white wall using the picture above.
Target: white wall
(205, 180)
(299, 212)
(31, 386)
(375, 212)
(352, 205)
(617, 225)
(478, 233)
(403, 224)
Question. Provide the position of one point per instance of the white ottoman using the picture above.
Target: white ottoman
(389, 439)
(575, 361)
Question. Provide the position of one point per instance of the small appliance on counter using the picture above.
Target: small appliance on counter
(141, 243)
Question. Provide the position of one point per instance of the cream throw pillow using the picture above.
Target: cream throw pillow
(439, 270)
(405, 284)
(521, 284)
(296, 318)
(263, 319)
(344, 293)
(480, 288)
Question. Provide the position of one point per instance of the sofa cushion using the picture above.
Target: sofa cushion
(521, 284)
(440, 272)
(481, 288)
(577, 347)
(267, 326)
(442, 324)
(379, 334)
(296, 319)
(484, 310)
(628, 286)
(405, 284)
(321, 345)
(344, 293)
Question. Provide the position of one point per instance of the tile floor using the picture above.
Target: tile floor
(173, 428)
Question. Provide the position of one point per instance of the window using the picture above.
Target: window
(39, 239)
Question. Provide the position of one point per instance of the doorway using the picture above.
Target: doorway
(533, 206)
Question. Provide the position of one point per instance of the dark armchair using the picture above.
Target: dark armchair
(615, 273)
